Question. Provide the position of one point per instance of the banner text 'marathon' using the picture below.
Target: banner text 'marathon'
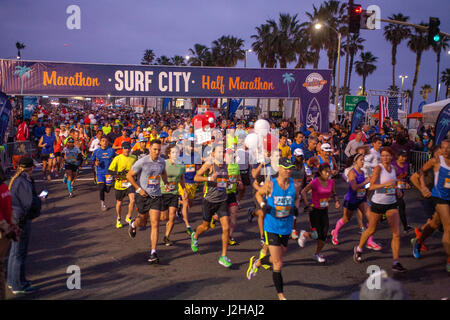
(76, 80)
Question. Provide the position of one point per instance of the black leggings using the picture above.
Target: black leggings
(319, 221)
(102, 188)
(402, 212)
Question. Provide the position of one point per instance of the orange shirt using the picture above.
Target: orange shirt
(118, 143)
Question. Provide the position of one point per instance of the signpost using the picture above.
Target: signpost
(351, 102)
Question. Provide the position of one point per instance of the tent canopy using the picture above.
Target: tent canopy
(431, 111)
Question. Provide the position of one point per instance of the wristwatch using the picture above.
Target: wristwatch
(137, 191)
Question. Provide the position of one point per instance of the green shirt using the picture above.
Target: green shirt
(174, 174)
(233, 175)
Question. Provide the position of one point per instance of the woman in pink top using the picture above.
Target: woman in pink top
(322, 189)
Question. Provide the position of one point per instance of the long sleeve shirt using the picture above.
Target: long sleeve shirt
(351, 147)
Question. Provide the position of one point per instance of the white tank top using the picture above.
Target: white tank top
(385, 195)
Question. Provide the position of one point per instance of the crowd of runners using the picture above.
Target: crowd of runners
(155, 162)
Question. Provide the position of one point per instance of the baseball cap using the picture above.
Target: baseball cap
(286, 163)
(164, 135)
(126, 145)
(26, 162)
(143, 139)
(326, 147)
(403, 153)
(70, 140)
(298, 152)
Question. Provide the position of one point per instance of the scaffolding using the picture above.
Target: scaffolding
(402, 95)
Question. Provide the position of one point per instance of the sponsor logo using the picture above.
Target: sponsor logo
(313, 115)
(314, 82)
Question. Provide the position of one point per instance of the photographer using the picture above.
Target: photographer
(26, 205)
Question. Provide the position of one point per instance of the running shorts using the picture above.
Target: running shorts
(71, 167)
(169, 201)
(353, 206)
(319, 221)
(277, 240)
(145, 204)
(439, 201)
(45, 157)
(428, 207)
(245, 177)
(191, 189)
(121, 194)
(57, 154)
(231, 200)
(382, 208)
(210, 209)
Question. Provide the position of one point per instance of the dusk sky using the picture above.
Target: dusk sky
(120, 31)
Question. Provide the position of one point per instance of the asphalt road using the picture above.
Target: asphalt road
(114, 266)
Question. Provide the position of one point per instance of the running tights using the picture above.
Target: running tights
(402, 212)
(102, 188)
(278, 280)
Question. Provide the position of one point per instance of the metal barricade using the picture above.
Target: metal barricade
(13, 152)
(418, 159)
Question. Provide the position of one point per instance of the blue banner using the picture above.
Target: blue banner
(234, 105)
(29, 104)
(166, 101)
(419, 109)
(358, 114)
(5, 112)
(442, 124)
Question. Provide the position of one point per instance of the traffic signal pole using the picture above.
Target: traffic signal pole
(412, 25)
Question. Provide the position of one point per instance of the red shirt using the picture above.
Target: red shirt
(23, 132)
(118, 143)
(353, 135)
(5, 203)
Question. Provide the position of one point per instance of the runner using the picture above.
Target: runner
(150, 170)
(325, 156)
(57, 149)
(402, 170)
(47, 143)
(278, 208)
(140, 150)
(355, 199)
(383, 181)
(215, 200)
(72, 160)
(440, 193)
(233, 184)
(175, 177)
(102, 158)
(298, 175)
(322, 188)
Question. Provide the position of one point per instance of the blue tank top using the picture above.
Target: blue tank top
(280, 219)
(441, 187)
(48, 149)
(330, 161)
(359, 195)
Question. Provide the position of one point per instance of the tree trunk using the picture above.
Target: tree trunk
(438, 60)
(416, 76)
(364, 85)
(394, 62)
(346, 70)
(350, 70)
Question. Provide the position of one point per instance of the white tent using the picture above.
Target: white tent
(331, 112)
(431, 111)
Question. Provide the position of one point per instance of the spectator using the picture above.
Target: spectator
(353, 144)
(23, 131)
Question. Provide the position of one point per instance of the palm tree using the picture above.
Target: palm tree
(304, 55)
(395, 34)
(365, 66)
(19, 46)
(393, 88)
(442, 45)
(164, 61)
(149, 57)
(177, 61)
(418, 43)
(200, 56)
(22, 72)
(445, 78)
(227, 51)
(425, 91)
(317, 38)
(353, 45)
(264, 46)
(288, 78)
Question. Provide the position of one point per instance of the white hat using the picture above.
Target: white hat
(326, 147)
(298, 152)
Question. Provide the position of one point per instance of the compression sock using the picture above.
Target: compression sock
(278, 281)
(69, 186)
(339, 225)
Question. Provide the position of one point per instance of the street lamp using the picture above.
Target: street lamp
(318, 26)
(403, 80)
(245, 61)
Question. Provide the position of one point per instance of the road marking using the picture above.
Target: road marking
(60, 180)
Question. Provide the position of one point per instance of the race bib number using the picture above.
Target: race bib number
(221, 183)
(324, 202)
(190, 168)
(172, 186)
(447, 183)
(360, 193)
(109, 179)
(153, 182)
(125, 184)
(231, 183)
(52, 156)
(282, 211)
(389, 190)
(401, 185)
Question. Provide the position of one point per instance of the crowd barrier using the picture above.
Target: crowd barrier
(417, 160)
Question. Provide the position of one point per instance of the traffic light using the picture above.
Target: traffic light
(354, 17)
(433, 31)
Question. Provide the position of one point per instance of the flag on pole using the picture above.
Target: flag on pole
(393, 108)
(384, 110)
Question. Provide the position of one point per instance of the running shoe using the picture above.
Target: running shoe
(189, 231)
(103, 207)
(373, 246)
(119, 224)
(252, 269)
(301, 239)
(418, 232)
(250, 214)
(232, 242)
(167, 241)
(319, 258)
(294, 235)
(361, 230)
(194, 243)
(49, 177)
(408, 229)
(423, 247)
(212, 224)
(131, 230)
(357, 256)
(314, 234)
(334, 238)
(70, 195)
(398, 267)
(153, 258)
(416, 248)
(56, 175)
(225, 261)
(127, 219)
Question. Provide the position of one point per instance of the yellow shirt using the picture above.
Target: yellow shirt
(120, 164)
(285, 151)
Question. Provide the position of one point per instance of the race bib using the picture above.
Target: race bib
(172, 186)
(125, 184)
(447, 183)
(231, 182)
(282, 211)
(109, 179)
(221, 183)
(153, 182)
(324, 202)
(401, 185)
(52, 156)
(360, 193)
(190, 168)
(389, 190)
